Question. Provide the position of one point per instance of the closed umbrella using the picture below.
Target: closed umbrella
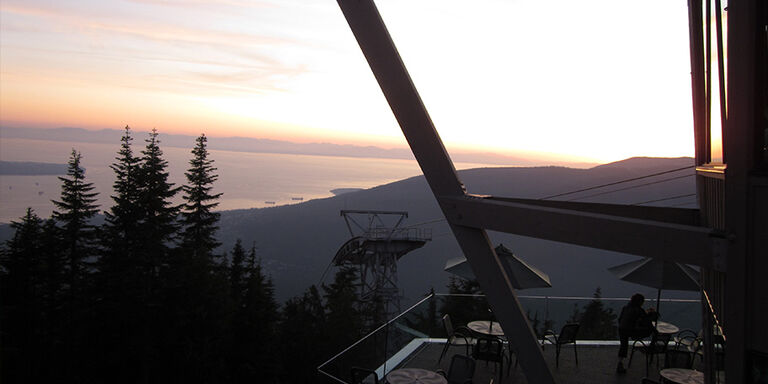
(522, 274)
(659, 274)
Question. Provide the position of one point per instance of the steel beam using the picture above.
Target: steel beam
(637, 236)
(390, 72)
(686, 216)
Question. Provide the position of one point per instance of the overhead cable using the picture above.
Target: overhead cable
(631, 187)
(617, 182)
(665, 199)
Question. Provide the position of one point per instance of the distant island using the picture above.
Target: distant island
(28, 168)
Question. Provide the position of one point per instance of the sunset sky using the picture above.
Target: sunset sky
(600, 80)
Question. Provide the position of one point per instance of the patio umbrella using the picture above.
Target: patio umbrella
(522, 274)
(659, 274)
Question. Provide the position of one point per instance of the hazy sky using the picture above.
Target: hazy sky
(600, 80)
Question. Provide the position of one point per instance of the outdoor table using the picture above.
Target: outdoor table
(414, 376)
(486, 327)
(664, 327)
(683, 376)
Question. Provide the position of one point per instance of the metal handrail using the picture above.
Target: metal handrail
(375, 330)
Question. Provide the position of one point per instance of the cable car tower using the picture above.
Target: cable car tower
(374, 249)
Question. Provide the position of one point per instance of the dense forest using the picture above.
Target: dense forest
(144, 296)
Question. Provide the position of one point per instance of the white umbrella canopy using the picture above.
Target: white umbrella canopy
(659, 274)
(522, 274)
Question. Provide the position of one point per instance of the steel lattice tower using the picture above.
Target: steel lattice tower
(374, 249)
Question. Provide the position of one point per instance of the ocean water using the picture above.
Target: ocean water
(247, 180)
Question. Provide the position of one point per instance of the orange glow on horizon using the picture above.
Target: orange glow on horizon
(295, 73)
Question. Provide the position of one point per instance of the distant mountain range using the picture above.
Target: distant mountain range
(246, 144)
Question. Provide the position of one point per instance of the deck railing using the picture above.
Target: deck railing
(392, 343)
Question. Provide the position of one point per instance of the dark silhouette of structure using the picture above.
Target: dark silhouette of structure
(374, 249)
(727, 238)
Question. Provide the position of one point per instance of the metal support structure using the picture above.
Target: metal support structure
(740, 205)
(654, 232)
(374, 251)
(393, 78)
(597, 227)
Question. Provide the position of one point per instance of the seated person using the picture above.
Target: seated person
(634, 322)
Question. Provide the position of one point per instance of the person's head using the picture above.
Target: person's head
(637, 299)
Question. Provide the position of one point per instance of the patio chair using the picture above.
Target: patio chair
(461, 371)
(363, 376)
(688, 340)
(490, 349)
(460, 336)
(567, 336)
(678, 358)
(655, 347)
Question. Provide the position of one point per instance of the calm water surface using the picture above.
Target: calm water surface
(247, 180)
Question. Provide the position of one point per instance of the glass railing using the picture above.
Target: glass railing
(398, 340)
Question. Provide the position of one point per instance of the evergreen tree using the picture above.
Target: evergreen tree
(344, 321)
(123, 218)
(256, 324)
(153, 325)
(158, 215)
(238, 275)
(195, 288)
(20, 305)
(462, 304)
(53, 296)
(597, 323)
(77, 239)
(303, 339)
(198, 221)
(122, 277)
(74, 212)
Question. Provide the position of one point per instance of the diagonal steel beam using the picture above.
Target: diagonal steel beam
(390, 72)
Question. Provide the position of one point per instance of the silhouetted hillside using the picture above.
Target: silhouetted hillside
(297, 242)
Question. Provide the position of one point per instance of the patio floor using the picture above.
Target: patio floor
(597, 364)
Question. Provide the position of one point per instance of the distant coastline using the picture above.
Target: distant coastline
(246, 144)
(29, 168)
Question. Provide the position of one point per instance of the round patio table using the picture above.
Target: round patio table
(485, 327)
(414, 376)
(664, 327)
(683, 376)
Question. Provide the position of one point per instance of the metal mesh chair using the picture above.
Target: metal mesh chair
(490, 349)
(675, 358)
(567, 336)
(655, 347)
(460, 336)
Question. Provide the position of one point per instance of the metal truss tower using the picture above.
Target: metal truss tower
(374, 249)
